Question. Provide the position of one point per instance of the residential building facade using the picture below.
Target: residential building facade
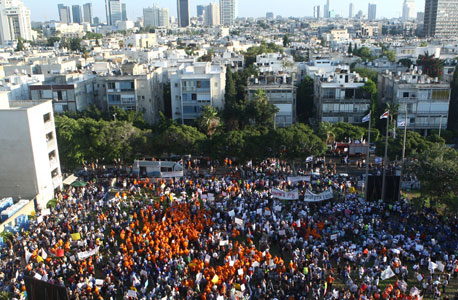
(183, 13)
(77, 14)
(228, 10)
(88, 15)
(441, 18)
(114, 11)
(14, 22)
(212, 15)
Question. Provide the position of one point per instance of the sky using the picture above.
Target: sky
(45, 10)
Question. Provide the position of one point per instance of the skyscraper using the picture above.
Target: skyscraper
(316, 12)
(441, 18)
(114, 11)
(77, 14)
(124, 12)
(212, 15)
(326, 10)
(372, 12)
(65, 15)
(408, 9)
(228, 11)
(200, 11)
(14, 21)
(87, 10)
(156, 17)
(350, 11)
(183, 13)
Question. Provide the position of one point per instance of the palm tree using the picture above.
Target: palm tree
(393, 110)
(86, 55)
(209, 120)
(327, 130)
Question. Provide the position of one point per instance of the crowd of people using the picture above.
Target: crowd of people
(227, 237)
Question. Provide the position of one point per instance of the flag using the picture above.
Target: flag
(385, 115)
(401, 123)
(366, 118)
(309, 159)
(388, 273)
(346, 159)
(432, 266)
(414, 291)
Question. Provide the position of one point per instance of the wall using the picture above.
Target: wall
(26, 210)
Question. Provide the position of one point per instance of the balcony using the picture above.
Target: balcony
(53, 163)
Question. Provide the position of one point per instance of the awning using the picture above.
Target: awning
(70, 179)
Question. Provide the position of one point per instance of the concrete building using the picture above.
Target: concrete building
(316, 12)
(327, 8)
(77, 14)
(351, 11)
(339, 97)
(372, 12)
(113, 11)
(155, 17)
(269, 15)
(183, 13)
(142, 40)
(281, 91)
(212, 15)
(14, 22)
(71, 92)
(88, 15)
(426, 99)
(195, 86)
(228, 10)
(65, 15)
(200, 11)
(30, 157)
(124, 12)
(408, 10)
(441, 18)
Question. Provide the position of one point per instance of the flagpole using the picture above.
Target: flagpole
(366, 187)
(385, 160)
(403, 154)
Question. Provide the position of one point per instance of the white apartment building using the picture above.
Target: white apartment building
(275, 62)
(339, 97)
(142, 40)
(321, 65)
(228, 10)
(30, 157)
(195, 86)
(156, 17)
(426, 99)
(14, 21)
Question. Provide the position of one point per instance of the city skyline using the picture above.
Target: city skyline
(295, 8)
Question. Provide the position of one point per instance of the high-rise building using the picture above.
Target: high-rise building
(77, 14)
(65, 15)
(124, 12)
(270, 16)
(183, 13)
(156, 17)
(372, 12)
(212, 15)
(408, 10)
(326, 10)
(420, 17)
(441, 18)
(96, 21)
(114, 11)
(200, 11)
(228, 10)
(88, 17)
(350, 11)
(14, 21)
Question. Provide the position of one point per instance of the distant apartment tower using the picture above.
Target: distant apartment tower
(156, 17)
(351, 11)
(14, 21)
(124, 12)
(420, 17)
(372, 12)
(114, 11)
(326, 10)
(77, 14)
(270, 16)
(65, 14)
(408, 10)
(87, 10)
(183, 13)
(441, 18)
(212, 15)
(200, 11)
(228, 10)
(316, 12)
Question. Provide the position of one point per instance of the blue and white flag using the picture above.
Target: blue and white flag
(366, 118)
(401, 123)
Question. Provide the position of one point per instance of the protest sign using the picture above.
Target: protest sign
(282, 195)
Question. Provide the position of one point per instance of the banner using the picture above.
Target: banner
(282, 195)
(86, 254)
(311, 197)
(297, 179)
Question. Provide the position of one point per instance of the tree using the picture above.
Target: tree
(453, 110)
(437, 170)
(364, 53)
(304, 100)
(406, 62)
(180, 140)
(286, 40)
(52, 40)
(366, 72)
(121, 44)
(209, 121)
(350, 49)
(252, 52)
(390, 54)
(20, 45)
(260, 111)
(296, 143)
(430, 65)
(326, 132)
(75, 44)
(86, 55)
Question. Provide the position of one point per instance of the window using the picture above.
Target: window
(349, 93)
(176, 85)
(194, 97)
(440, 94)
(114, 98)
(412, 120)
(52, 155)
(198, 84)
(329, 93)
(49, 136)
(405, 95)
(111, 85)
(127, 85)
(47, 117)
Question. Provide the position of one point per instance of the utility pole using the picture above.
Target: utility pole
(403, 154)
(440, 126)
(385, 160)
(368, 154)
